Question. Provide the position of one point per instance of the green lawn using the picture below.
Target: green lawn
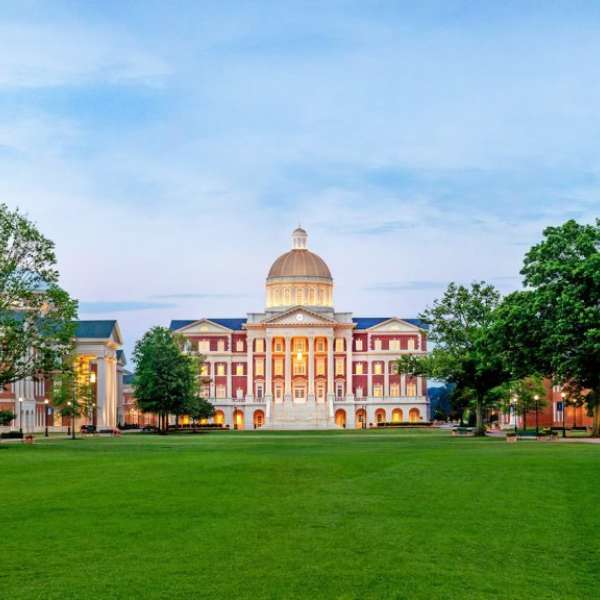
(376, 514)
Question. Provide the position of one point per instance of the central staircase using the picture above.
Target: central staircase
(308, 415)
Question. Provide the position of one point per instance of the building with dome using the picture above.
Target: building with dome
(302, 365)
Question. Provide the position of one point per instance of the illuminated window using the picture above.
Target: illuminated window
(298, 345)
(278, 346)
(320, 366)
(220, 391)
(339, 344)
(339, 366)
(299, 367)
(220, 369)
(204, 346)
(358, 368)
(395, 345)
(378, 390)
(377, 344)
(221, 345)
(260, 345)
(260, 366)
(239, 346)
(411, 389)
(359, 345)
(394, 390)
(204, 371)
(278, 366)
(411, 344)
(377, 368)
(239, 369)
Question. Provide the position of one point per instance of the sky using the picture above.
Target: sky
(169, 148)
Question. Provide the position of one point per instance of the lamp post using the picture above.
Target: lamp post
(537, 424)
(46, 417)
(514, 405)
(20, 415)
(72, 420)
(564, 405)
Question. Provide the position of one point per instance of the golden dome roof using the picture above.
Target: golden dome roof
(300, 263)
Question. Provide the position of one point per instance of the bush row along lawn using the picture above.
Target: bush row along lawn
(354, 514)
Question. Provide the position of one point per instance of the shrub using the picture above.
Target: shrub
(11, 435)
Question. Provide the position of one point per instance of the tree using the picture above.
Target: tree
(36, 315)
(6, 416)
(553, 327)
(460, 324)
(72, 391)
(165, 378)
(198, 408)
(523, 396)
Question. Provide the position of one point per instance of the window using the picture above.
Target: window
(259, 390)
(299, 367)
(239, 345)
(411, 389)
(299, 346)
(239, 393)
(339, 366)
(394, 390)
(278, 346)
(339, 392)
(278, 392)
(204, 371)
(221, 345)
(359, 392)
(299, 393)
(205, 391)
(278, 366)
(395, 345)
(239, 369)
(359, 345)
(339, 344)
(204, 346)
(220, 369)
(320, 366)
(377, 368)
(378, 390)
(321, 392)
(221, 391)
(358, 369)
(320, 345)
(377, 344)
(260, 346)
(411, 343)
(260, 367)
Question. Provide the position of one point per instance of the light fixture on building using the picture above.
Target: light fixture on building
(299, 355)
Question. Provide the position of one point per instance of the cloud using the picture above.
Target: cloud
(200, 295)
(108, 307)
(402, 286)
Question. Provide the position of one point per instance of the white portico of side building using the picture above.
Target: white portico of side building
(302, 365)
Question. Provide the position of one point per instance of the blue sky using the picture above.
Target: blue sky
(169, 148)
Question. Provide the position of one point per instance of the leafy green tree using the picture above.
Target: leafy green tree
(36, 315)
(6, 416)
(198, 408)
(524, 396)
(553, 327)
(460, 324)
(165, 378)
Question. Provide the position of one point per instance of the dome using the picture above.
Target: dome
(299, 278)
(300, 263)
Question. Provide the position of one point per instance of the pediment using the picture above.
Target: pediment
(204, 326)
(395, 325)
(300, 316)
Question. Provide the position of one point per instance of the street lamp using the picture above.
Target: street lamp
(514, 405)
(563, 405)
(93, 384)
(46, 417)
(72, 419)
(20, 415)
(537, 424)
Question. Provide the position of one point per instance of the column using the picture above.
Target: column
(101, 392)
(268, 370)
(370, 378)
(288, 369)
(229, 392)
(250, 369)
(386, 378)
(330, 368)
(403, 385)
(311, 368)
(349, 391)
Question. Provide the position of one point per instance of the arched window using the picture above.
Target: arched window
(397, 415)
(219, 417)
(380, 415)
(414, 416)
(258, 419)
(340, 418)
(361, 418)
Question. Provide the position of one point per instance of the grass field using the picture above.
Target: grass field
(381, 514)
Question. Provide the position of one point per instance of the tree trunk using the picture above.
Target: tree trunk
(479, 427)
(596, 421)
